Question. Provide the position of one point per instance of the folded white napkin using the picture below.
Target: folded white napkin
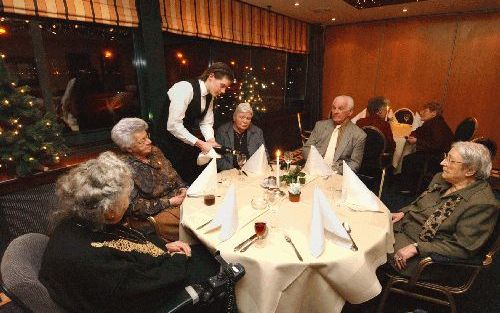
(226, 216)
(257, 164)
(205, 158)
(323, 218)
(316, 165)
(361, 114)
(206, 181)
(355, 194)
(417, 122)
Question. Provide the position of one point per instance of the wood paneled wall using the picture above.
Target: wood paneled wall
(452, 59)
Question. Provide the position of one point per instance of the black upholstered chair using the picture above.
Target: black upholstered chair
(20, 266)
(465, 270)
(404, 116)
(466, 129)
(375, 161)
(488, 143)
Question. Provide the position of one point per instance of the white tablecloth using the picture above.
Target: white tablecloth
(275, 280)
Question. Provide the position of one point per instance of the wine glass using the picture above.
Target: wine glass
(406, 118)
(241, 159)
(288, 157)
(260, 230)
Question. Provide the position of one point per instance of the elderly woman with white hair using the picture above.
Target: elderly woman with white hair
(93, 263)
(240, 135)
(158, 190)
(454, 217)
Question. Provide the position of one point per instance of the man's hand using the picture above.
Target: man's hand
(403, 255)
(411, 140)
(178, 247)
(203, 146)
(396, 217)
(214, 143)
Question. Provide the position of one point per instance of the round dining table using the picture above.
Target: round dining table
(276, 280)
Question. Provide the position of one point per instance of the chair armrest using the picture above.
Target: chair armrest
(441, 259)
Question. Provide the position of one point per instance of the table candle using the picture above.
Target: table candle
(278, 153)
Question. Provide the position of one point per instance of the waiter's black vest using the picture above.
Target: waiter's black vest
(183, 156)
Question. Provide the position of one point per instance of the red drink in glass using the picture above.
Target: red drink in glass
(260, 229)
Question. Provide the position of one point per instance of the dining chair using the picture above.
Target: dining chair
(304, 134)
(19, 268)
(375, 160)
(490, 144)
(419, 288)
(466, 129)
(404, 116)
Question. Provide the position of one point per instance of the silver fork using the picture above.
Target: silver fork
(289, 240)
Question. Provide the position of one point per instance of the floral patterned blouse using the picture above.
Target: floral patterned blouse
(154, 184)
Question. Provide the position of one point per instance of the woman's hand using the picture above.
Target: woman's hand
(396, 217)
(177, 200)
(403, 254)
(178, 247)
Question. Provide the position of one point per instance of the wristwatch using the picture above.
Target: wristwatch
(415, 244)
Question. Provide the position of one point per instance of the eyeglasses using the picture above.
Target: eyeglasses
(448, 160)
(143, 140)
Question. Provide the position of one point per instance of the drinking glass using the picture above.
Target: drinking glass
(288, 157)
(260, 230)
(241, 159)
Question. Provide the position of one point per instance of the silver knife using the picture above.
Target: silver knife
(244, 242)
(245, 248)
(203, 225)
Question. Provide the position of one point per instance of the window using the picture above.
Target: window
(91, 79)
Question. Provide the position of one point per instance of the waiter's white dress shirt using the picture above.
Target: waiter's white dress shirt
(180, 95)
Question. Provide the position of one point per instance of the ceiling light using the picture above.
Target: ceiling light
(296, 4)
(333, 19)
(405, 10)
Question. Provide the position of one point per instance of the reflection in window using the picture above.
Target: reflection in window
(296, 82)
(91, 77)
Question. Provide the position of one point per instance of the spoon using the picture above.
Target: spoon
(354, 247)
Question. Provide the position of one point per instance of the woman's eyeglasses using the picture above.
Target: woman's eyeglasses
(448, 160)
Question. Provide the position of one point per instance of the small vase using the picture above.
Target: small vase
(294, 197)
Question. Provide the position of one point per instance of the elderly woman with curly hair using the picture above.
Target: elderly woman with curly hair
(93, 263)
(158, 190)
(454, 217)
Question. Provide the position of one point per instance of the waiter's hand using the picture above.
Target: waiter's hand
(203, 146)
(214, 143)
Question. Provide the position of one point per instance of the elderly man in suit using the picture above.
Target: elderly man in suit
(240, 135)
(338, 139)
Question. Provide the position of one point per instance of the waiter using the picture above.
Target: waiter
(190, 119)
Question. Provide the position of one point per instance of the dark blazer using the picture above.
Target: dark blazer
(350, 148)
(434, 136)
(225, 136)
(462, 234)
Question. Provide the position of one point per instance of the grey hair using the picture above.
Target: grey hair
(123, 132)
(243, 107)
(476, 156)
(349, 99)
(91, 188)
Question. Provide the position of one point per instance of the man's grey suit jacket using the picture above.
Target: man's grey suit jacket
(350, 148)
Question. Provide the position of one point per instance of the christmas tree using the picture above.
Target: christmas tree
(29, 138)
(247, 89)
